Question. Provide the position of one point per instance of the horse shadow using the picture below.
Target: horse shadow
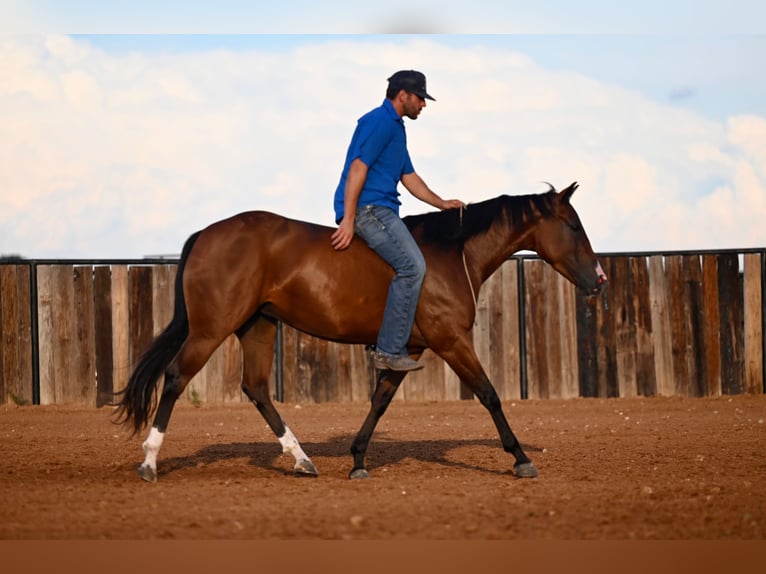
(382, 452)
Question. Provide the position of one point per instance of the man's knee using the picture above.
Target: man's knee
(417, 268)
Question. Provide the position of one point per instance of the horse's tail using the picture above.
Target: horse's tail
(138, 400)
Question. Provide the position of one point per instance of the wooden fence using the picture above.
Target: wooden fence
(687, 324)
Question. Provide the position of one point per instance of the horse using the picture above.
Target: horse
(246, 273)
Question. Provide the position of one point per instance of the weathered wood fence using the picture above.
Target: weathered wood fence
(688, 324)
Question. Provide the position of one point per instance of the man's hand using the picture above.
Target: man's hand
(343, 235)
(451, 204)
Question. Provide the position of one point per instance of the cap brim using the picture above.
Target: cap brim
(424, 96)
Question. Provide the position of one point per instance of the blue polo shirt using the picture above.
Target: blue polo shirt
(380, 142)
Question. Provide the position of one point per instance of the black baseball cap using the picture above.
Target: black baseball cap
(410, 81)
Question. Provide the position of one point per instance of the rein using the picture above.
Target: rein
(465, 265)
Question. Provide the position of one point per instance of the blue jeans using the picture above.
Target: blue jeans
(387, 235)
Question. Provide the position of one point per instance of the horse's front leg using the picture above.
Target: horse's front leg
(385, 389)
(463, 360)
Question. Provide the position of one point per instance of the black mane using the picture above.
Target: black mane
(449, 228)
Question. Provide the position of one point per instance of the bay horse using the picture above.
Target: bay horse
(244, 274)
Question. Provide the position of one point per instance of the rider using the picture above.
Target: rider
(367, 203)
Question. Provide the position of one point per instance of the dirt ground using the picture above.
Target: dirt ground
(610, 469)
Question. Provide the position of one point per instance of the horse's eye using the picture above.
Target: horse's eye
(574, 225)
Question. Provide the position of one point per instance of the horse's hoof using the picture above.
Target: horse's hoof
(359, 473)
(525, 470)
(147, 473)
(305, 468)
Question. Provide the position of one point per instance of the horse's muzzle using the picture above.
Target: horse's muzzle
(600, 285)
(601, 282)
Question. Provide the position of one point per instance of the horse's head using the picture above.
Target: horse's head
(561, 241)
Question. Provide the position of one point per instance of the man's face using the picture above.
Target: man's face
(413, 105)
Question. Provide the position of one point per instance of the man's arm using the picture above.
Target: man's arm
(417, 187)
(357, 175)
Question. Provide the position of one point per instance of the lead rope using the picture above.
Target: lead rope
(465, 266)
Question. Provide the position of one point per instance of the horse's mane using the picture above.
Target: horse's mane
(448, 228)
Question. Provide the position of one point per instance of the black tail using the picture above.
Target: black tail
(138, 400)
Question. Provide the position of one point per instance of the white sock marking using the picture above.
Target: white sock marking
(151, 447)
(290, 444)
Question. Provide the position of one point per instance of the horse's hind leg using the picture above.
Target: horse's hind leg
(192, 356)
(257, 339)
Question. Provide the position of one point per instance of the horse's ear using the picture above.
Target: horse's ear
(566, 193)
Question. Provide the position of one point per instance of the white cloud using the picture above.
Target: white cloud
(120, 156)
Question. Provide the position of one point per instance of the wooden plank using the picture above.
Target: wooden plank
(437, 369)
(231, 371)
(24, 333)
(569, 365)
(24, 295)
(496, 333)
(753, 323)
(6, 367)
(421, 385)
(289, 364)
(310, 351)
(624, 314)
(9, 355)
(711, 330)
(304, 358)
(102, 311)
(63, 340)
(548, 343)
(45, 329)
(661, 333)
(453, 387)
(508, 317)
(323, 371)
(163, 296)
(362, 374)
(587, 345)
(15, 335)
(140, 313)
(646, 382)
(482, 325)
(561, 336)
(607, 348)
(343, 383)
(695, 340)
(537, 383)
(84, 338)
(551, 313)
(732, 320)
(207, 381)
(677, 298)
(120, 298)
(418, 385)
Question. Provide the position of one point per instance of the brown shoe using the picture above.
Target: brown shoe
(388, 363)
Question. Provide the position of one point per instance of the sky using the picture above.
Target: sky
(125, 129)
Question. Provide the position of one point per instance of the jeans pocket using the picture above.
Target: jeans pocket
(367, 222)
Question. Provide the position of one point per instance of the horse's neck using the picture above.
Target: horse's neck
(485, 253)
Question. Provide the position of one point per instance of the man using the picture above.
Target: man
(367, 204)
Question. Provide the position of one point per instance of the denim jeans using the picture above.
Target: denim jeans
(387, 235)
